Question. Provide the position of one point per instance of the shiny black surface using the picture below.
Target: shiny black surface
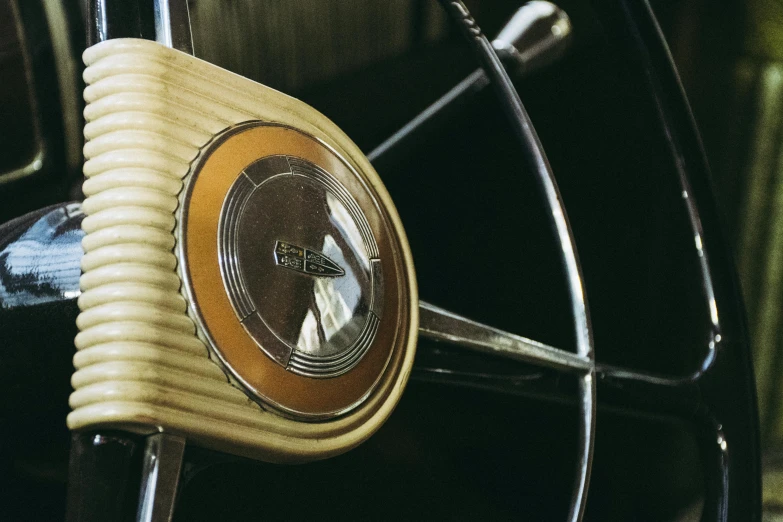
(730, 420)
(450, 453)
(39, 283)
(15, 99)
(107, 19)
(103, 481)
(40, 257)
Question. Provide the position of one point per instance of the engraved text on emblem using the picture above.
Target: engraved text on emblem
(305, 261)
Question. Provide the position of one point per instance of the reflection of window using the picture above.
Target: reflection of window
(336, 300)
(334, 311)
(308, 335)
(348, 285)
(339, 215)
(43, 264)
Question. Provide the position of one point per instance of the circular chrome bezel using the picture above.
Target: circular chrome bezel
(304, 398)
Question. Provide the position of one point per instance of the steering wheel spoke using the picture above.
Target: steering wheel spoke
(629, 391)
(441, 325)
(537, 35)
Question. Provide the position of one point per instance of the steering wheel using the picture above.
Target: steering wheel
(247, 287)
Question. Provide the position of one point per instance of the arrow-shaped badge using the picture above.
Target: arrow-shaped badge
(305, 260)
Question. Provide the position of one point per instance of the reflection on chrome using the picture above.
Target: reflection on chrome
(339, 215)
(300, 266)
(309, 340)
(336, 302)
(42, 265)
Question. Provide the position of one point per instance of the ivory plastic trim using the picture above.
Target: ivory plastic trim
(140, 364)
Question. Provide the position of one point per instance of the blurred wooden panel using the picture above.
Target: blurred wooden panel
(289, 44)
(20, 138)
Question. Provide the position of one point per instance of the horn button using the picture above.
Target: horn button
(295, 272)
(300, 266)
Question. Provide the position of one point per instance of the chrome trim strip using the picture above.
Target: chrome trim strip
(164, 21)
(172, 25)
(160, 477)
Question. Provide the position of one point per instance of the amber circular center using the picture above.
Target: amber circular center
(291, 270)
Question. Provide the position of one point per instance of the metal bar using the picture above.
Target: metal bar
(172, 25)
(164, 21)
(538, 34)
(429, 119)
(160, 477)
(101, 475)
(621, 391)
(441, 325)
(636, 392)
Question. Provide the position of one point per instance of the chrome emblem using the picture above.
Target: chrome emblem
(305, 261)
(320, 325)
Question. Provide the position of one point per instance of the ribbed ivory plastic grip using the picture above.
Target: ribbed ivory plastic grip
(140, 364)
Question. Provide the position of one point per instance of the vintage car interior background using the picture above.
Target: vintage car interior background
(474, 436)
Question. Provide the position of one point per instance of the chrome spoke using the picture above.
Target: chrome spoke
(622, 391)
(538, 34)
(162, 468)
(165, 21)
(441, 325)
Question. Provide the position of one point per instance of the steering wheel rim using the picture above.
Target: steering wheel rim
(539, 164)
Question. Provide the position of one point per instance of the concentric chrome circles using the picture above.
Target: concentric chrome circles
(294, 271)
